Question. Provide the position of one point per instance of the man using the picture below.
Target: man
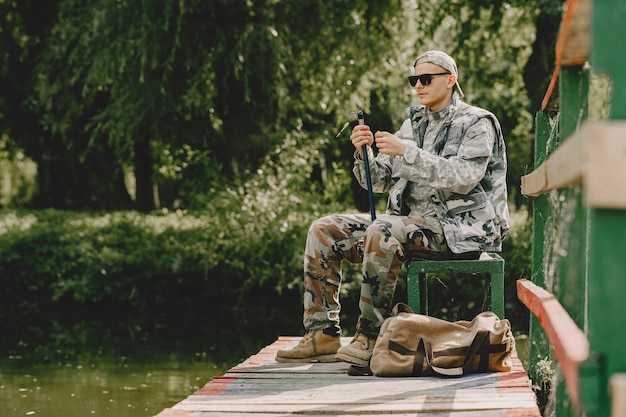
(445, 171)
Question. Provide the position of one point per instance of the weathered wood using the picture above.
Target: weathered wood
(596, 156)
(260, 386)
(575, 31)
(570, 343)
(545, 143)
(606, 165)
(573, 43)
(617, 386)
(561, 169)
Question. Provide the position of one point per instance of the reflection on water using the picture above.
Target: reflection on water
(121, 387)
(122, 370)
(113, 367)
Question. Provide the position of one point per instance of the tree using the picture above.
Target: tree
(119, 80)
(22, 27)
(182, 95)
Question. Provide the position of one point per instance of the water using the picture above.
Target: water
(119, 368)
(105, 386)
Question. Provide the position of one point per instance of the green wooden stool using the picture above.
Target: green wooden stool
(489, 263)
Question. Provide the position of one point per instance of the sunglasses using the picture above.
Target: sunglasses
(425, 79)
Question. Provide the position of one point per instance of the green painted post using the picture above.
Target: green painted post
(414, 292)
(607, 287)
(571, 228)
(609, 33)
(545, 143)
(607, 232)
(572, 212)
(559, 228)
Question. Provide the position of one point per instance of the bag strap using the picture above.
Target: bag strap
(419, 355)
(480, 346)
(477, 346)
(401, 308)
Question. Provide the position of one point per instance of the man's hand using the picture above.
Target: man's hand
(389, 144)
(361, 135)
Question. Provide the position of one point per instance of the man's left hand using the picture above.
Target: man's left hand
(389, 144)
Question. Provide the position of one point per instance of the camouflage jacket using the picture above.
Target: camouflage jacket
(465, 175)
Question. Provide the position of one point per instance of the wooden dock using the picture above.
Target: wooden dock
(262, 387)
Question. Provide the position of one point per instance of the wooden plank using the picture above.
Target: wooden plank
(562, 168)
(617, 386)
(573, 43)
(606, 165)
(594, 155)
(384, 406)
(168, 412)
(260, 386)
(606, 306)
(570, 343)
(577, 34)
(481, 413)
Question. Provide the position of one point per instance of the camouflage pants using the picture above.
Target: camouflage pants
(381, 246)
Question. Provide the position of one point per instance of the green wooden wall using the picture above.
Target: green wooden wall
(579, 252)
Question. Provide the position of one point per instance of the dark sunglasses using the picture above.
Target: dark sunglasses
(425, 79)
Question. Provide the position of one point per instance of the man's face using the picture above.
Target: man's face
(438, 93)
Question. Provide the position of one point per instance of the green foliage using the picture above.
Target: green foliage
(17, 175)
(143, 89)
(245, 241)
(144, 264)
(52, 257)
(263, 222)
(236, 106)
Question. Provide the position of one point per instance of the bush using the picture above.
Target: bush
(17, 175)
(53, 257)
(243, 250)
(246, 244)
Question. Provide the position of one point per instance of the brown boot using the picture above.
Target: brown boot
(358, 351)
(315, 346)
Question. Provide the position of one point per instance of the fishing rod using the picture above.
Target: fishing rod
(368, 176)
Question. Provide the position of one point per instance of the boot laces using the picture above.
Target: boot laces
(364, 340)
(308, 337)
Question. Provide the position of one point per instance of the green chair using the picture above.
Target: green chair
(489, 263)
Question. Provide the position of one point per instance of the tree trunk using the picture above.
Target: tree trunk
(144, 201)
(540, 64)
(53, 182)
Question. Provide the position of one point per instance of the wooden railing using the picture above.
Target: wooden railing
(593, 156)
(570, 344)
(579, 238)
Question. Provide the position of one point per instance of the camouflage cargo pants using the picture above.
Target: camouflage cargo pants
(381, 246)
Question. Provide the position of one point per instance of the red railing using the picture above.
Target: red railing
(570, 343)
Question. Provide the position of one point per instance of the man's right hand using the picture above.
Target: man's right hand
(361, 135)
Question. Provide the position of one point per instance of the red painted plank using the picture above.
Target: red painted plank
(570, 343)
(168, 412)
(522, 412)
(216, 385)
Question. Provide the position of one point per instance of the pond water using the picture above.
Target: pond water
(119, 368)
(48, 369)
(106, 386)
